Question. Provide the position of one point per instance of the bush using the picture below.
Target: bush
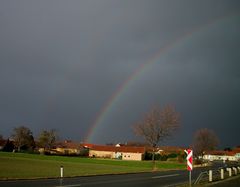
(172, 155)
(181, 158)
(148, 156)
(164, 157)
(198, 161)
(172, 159)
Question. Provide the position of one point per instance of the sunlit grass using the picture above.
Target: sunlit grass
(20, 165)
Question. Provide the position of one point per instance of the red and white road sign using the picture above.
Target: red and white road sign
(189, 159)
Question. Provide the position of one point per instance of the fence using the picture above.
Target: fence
(217, 174)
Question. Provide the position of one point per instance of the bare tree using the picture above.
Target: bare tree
(157, 125)
(22, 136)
(204, 140)
(47, 139)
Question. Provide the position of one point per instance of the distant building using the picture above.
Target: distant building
(117, 152)
(237, 155)
(6, 145)
(67, 147)
(233, 155)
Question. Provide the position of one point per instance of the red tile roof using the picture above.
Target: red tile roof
(172, 148)
(219, 152)
(125, 149)
(68, 145)
(236, 150)
(167, 149)
(87, 145)
(3, 142)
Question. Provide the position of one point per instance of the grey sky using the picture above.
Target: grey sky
(60, 62)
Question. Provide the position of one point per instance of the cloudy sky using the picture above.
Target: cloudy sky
(91, 69)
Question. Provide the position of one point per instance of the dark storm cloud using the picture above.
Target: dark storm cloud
(61, 61)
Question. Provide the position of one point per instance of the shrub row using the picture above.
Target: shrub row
(165, 157)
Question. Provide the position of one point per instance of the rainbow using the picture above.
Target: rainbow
(115, 97)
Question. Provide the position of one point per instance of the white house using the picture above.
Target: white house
(117, 152)
(222, 155)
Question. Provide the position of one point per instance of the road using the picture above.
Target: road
(152, 179)
(231, 182)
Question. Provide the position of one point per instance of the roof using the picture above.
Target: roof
(219, 152)
(124, 149)
(171, 148)
(87, 145)
(236, 150)
(166, 149)
(3, 142)
(128, 148)
(68, 145)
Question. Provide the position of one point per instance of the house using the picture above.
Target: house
(117, 152)
(237, 155)
(6, 145)
(2, 144)
(221, 155)
(66, 147)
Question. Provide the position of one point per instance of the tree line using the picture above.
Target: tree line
(23, 139)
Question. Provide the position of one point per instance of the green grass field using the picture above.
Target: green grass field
(26, 166)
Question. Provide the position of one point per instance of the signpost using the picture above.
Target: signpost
(189, 153)
(61, 171)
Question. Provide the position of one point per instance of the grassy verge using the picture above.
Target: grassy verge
(26, 166)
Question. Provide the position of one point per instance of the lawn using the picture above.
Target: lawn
(26, 166)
